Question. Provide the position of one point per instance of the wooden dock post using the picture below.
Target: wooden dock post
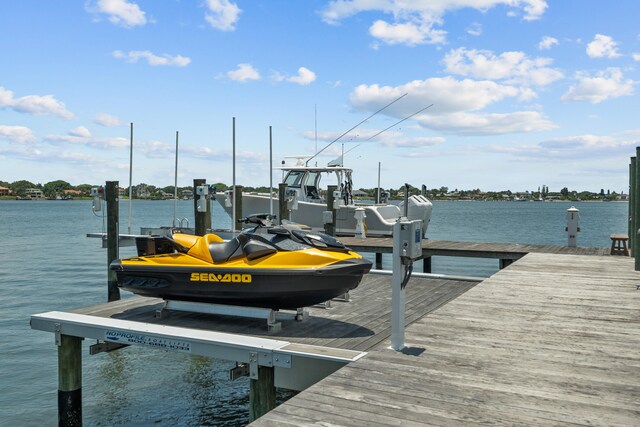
(330, 229)
(203, 219)
(636, 211)
(282, 202)
(426, 264)
(632, 212)
(237, 207)
(70, 381)
(113, 236)
(379, 260)
(262, 393)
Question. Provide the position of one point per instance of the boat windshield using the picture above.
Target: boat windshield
(294, 178)
(313, 178)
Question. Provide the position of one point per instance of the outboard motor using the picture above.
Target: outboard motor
(419, 208)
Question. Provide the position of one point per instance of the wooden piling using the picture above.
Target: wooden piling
(113, 235)
(282, 202)
(426, 264)
(262, 393)
(632, 215)
(70, 381)
(237, 206)
(203, 219)
(379, 260)
(330, 229)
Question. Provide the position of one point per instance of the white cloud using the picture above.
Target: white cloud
(408, 33)
(606, 84)
(414, 21)
(17, 134)
(80, 131)
(513, 67)
(573, 147)
(399, 141)
(223, 14)
(82, 136)
(489, 124)
(602, 46)
(547, 43)
(119, 12)
(243, 73)
(34, 104)
(153, 59)
(456, 105)
(636, 56)
(305, 76)
(475, 29)
(106, 120)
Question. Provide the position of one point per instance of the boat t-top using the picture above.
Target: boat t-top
(307, 201)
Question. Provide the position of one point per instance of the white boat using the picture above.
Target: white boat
(307, 203)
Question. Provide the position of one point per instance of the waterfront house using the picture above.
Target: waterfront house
(34, 193)
(4, 191)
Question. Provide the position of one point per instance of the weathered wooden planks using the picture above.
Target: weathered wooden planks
(469, 249)
(552, 339)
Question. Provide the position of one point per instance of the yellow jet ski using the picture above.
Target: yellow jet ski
(270, 267)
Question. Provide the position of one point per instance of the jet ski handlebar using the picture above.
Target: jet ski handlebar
(261, 219)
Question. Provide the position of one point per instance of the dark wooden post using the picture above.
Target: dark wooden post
(426, 264)
(282, 202)
(203, 219)
(113, 236)
(632, 214)
(70, 381)
(262, 393)
(636, 212)
(379, 260)
(237, 206)
(330, 229)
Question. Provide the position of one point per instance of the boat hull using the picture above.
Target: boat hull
(289, 288)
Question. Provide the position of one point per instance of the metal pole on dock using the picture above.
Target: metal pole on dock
(636, 211)
(270, 172)
(69, 381)
(130, 178)
(282, 202)
(262, 393)
(632, 211)
(113, 235)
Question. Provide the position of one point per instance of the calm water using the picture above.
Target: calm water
(47, 263)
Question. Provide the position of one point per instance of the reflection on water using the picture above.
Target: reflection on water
(49, 264)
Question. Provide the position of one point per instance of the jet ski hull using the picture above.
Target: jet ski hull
(276, 288)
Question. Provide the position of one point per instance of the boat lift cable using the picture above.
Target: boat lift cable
(345, 133)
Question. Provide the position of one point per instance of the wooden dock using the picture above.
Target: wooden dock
(360, 324)
(506, 253)
(552, 339)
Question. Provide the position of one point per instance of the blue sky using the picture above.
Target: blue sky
(525, 92)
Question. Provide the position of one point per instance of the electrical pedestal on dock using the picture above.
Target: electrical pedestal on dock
(407, 246)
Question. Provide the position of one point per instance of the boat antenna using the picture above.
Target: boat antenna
(345, 133)
(315, 120)
(397, 123)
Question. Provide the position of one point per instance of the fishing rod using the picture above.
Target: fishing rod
(397, 123)
(345, 133)
(386, 129)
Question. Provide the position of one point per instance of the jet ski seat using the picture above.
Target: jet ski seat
(224, 251)
(199, 246)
